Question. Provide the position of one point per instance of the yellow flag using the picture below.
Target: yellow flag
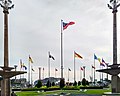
(30, 59)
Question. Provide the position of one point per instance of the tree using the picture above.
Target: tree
(48, 84)
(62, 82)
(75, 83)
(53, 83)
(84, 82)
(70, 84)
(79, 83)
(39, 84)
(87, 83)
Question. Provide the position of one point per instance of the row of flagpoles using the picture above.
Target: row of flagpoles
(30, 68)
(63, 27)
(76, 55)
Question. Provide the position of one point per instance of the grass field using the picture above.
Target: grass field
(35, 93)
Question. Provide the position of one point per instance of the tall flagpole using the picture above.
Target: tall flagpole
(20, 67)
(91, 73)
(48, 65)
(80, 74)
(100, 73)
(74, 67)
(68, 74)
(94, 71)
(43, 73)
(55, 73)
(31, 76)
(61, 49)
(29, 70)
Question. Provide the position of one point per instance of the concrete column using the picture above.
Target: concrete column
(5, 86)
(40, 73)
(115, 84)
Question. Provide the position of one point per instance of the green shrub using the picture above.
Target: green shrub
(79, 83)
(75, 83)
(84, 82)
(39, 84)
(53, 83)
(48, 84)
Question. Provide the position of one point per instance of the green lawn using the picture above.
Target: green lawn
(35, 93)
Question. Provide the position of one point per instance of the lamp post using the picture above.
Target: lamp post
(39, 73)
(114, 69)
(6, 5)
(6, 72)
(83, 71)
(114, 5)
(15, 70)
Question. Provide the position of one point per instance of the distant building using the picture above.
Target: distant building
(51, 79)
(19, 83)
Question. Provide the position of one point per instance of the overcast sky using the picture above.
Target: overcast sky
(34, 29)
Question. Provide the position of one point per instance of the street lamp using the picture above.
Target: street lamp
(15, 70)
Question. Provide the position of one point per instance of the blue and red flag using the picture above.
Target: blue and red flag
(65, 25)
(102, 64)
(103, 61)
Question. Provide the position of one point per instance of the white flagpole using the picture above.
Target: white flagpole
(29, 70)
(43, 73)
(74, 68)
(48, 65)
(68, 74)
(91, 73)
(94, 71)
(80, 73)
(61, 49)
(55, 72)
(31, 75)
(20, 68)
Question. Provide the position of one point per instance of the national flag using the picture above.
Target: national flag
(50, 56)
(101, 64)
(56, 69)
(24, 66)
(77, 55)
(95, 57)
(69, 69)
(81, 68)
(99, 60)
(33, 69)
(103, 61)
(65, 25)
(30, 59)
(93, 67)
